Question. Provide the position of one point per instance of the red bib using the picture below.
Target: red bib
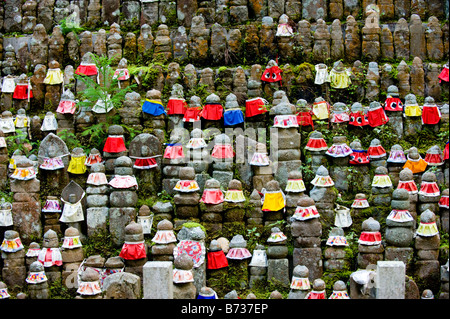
(272, 74)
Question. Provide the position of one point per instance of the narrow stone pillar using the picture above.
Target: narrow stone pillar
(390, 280)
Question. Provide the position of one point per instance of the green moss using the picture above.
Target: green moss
(331, 277)
(100, 243)
(193, 225)
(263, 288)
(59, 291)
(230, 229)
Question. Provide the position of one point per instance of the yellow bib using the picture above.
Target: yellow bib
(339, 80)
(54, 76)
(273, 202)
(320, 111)
(416, 167)
(76, 165)
(413, 110)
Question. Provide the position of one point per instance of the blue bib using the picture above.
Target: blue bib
(154, 108)
(233, 117)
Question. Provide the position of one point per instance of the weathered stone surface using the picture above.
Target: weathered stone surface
(337, 41)
(434, 44)
(401, 39)
(186, 11)
(417, 74)
(314, 10)
(321, 48)
(122, 285)
(417, 44)
(311, 258)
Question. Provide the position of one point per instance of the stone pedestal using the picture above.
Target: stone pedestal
(390, 280)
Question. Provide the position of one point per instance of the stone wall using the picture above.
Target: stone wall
(222, 47)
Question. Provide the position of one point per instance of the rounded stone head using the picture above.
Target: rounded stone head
(302, 103)
(50, 239)
(400, 194)
(381, 170)
(87, 58)
(356, 145)
(435, 149)
(123, 63)
(213, 98)
(429, 100)
(212, 183)
(187, 173)
(90, 275)
(370, 224)
(144, 211)
(238, 241)
(339, 139)
(392, 90)
(98, 168)
(214, 245)
(67, 95)
(300, 271)
(11, 234)
(375, 142)
(338, 66)
(336, 231)
(235, 184)
(283, 19)
(410, 99)
(165, 224)
(429, 177)
(357, 107)
(406, 175)
(427, 294)
(123, 161)
(71, 232)
(222, 139)
(196, 133)
(276, 295)
(153, 94)
(177, 91)
(322, 171)
(427, 217)
(305, 201)
(318, 284)
(316, 134)
(374, 105)
(183, 262)
(339, 107)
(134, 232)
(115, 130)
(231, 101)
(295, 175)
(339, 286)
(36, 266)
(273, 185)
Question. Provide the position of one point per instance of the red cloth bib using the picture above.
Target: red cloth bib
(358, 119)
(21, 92)
(176, 106)
(377, 117)
(212, 112)
(430, 115)
(272, 74)
(393, 104)
(305, 119)
(216, 260)
(114, 145)
(254, 107)
(133, 251)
